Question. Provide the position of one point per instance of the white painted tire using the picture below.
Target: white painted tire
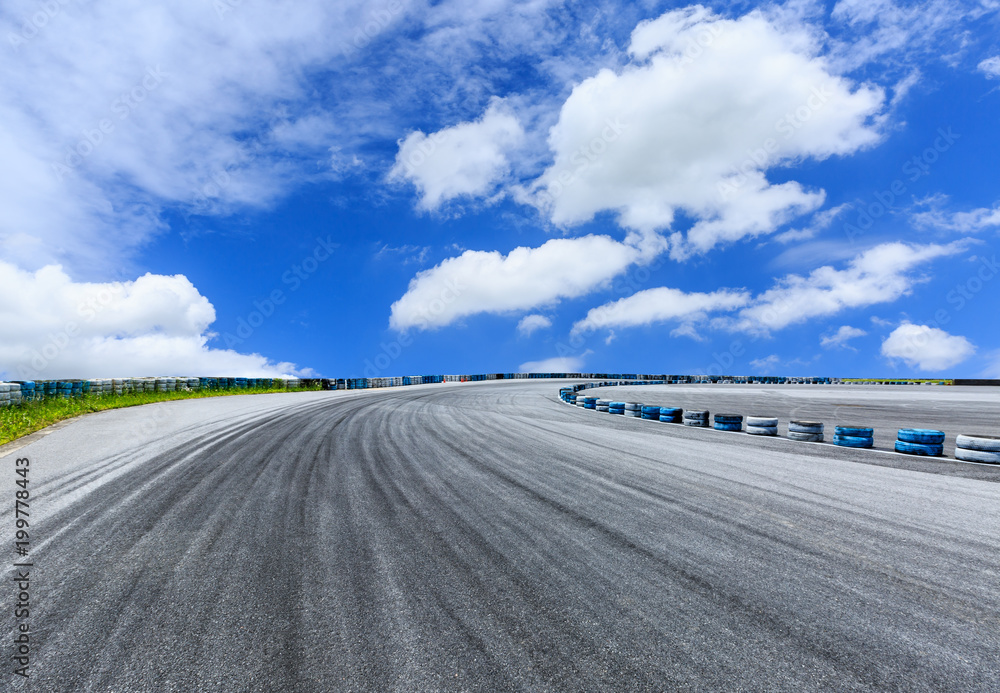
(812, 427)
(805, 437)
(697, 423)
(762, 430)
(764, 421)
(633, 406)
(983, 443)
(972, 455)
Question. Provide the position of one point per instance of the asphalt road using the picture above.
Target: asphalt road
(489, 537)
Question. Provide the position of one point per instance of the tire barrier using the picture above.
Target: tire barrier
(650, 413)
(633, 409)
(728, 422)
(590, 403)
(696, 418)
(920, 441)
(671, 414)
(977, 448)
(854, 437)
(602, 405)
(762, 425)
(805, 431)
(616, 408)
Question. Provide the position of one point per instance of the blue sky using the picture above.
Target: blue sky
(389, 188)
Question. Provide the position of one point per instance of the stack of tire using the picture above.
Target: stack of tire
(590, 403)
(633, 409)
(671, 414)
(854, 437)
(27, 390)
(650, 413)
(977, 448)
(729, 422)
(602, 405)
(64, 389)
(920, 441)
(617, 408)
(805, 431)
(4, 394)
(762, 425)
(696, 418)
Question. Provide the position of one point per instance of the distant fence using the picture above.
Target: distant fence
(27, 390)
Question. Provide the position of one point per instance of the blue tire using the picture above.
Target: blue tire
(854, 431)
(933, 450)
(845, 441)
(728, 419)
(651, 410)
(921, 435)
(670, 419)
(671, 411)
(719, 426)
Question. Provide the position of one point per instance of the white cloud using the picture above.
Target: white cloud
(819, 222)
(660, 305)
(465, 159)
(488, 282)
(878, 275)
(113, 111)
(842, 336)
(557, 364)
(990, 67)
(962, 222)
(766, 365)
(926, 348)
(531, 323)
(707, 106)
(880, 27)
(53, 327)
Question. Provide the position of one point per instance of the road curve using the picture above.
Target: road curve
(489, 537)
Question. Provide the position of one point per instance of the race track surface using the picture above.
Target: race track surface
(489, 537)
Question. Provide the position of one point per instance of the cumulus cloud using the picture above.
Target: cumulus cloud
(926, 348)
(841, 337)
(660, 305)
(878, 275)
(465, 159)
(531, 323)
(489, 282)
(557, 364)
(706, 107)
(53, 327)
(990, 67)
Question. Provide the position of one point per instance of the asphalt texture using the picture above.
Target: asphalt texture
(488, 537)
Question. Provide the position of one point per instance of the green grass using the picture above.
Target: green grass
(20, 420)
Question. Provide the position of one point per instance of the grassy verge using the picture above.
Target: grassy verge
(20, 420)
